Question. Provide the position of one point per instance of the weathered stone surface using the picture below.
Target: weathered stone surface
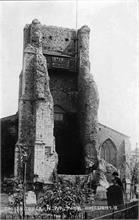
(44, 139)
(36, 34)
(63, 88)
(36, 103)
(26, 35)
(88, 101)
(74, 92)
(36, 114)
(57, 41)
(30, 198)
(9, 133)
(36, 121)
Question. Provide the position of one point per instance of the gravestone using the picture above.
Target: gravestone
(30, 198)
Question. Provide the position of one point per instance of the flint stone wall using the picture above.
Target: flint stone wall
(9, 135)
(56, 41)
(63, 86)
(36, 119)
(88, 101)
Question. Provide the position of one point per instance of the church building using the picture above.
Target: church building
(57, 120)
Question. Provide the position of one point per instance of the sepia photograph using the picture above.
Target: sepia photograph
(69, 109)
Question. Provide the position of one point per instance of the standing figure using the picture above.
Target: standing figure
(115, 195)
(117, 178)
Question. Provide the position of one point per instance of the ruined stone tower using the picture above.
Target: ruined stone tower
(58, 103)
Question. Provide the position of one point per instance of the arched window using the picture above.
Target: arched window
(109, 152)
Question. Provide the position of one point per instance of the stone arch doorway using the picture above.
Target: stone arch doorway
(109, 152)
(67, 142)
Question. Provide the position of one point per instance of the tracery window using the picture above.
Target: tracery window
(109, 152)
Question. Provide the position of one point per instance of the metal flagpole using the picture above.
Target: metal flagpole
(76, 14)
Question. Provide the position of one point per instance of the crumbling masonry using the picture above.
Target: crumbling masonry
(58, 103)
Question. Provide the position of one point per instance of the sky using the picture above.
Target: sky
(113, 53)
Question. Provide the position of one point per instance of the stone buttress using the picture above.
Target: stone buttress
(36, 123)
(88, 102)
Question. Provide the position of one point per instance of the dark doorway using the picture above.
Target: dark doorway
(9, 134)
(68, 146)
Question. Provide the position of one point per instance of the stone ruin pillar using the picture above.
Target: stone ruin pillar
(88, 102)
(36, 122)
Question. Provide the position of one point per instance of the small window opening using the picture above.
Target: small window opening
(58, 117)
(66, 39)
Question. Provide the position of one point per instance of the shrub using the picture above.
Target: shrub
(64, 198)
